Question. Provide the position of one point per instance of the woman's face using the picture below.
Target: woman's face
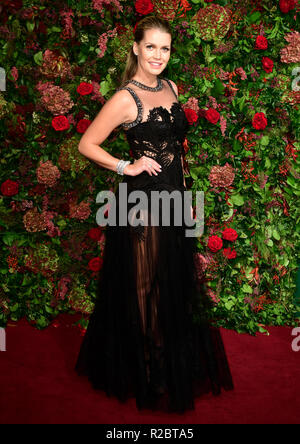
(155, 47)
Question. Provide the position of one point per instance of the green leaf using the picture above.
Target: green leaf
(229, 305)
(247, 288)
(48, 309)
(291, 181)
(242, 103)
(263, 330)
(54, 29)
(30, 26)
(237, 199)
(38, 58)
(104, 87)
(254, 17)
(218, 88)
(42, 322)
(267, 162)
(264, 140)
(195, 172)
(276, 235)
(236, 145)
(9, 238)
(82, 59)
(14, 307)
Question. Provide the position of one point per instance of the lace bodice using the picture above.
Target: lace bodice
(158, 131)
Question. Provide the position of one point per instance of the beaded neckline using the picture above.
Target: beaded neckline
(158, 87)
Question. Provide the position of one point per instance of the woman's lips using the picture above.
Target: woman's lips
(155, 66)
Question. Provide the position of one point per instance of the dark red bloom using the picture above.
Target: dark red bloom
(144, 7)
(82, 125)
(267, 64)
(287, 5)
(229, 253)
(212, 115)
(95, 264)
(85, 88)
(261, 42)
(95, 233)
(230, 234)
(259, 121)
(215, 243)
(191, 115)
(60, 123)
(9, 188)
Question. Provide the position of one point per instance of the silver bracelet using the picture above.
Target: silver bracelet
(121, 166)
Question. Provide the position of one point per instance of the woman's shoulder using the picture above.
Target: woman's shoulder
(172, 84)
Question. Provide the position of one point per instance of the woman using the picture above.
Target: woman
(149, 336)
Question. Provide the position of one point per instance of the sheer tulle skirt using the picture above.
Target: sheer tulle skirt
(149, 336)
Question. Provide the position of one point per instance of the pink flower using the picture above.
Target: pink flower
(81, 211)
(222, 176)
(47, 173)
(14, 72)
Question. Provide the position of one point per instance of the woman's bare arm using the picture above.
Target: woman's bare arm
(114, 112)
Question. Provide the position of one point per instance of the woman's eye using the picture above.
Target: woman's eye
(150, 46)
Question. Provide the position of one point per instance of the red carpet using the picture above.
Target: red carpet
(39, 386)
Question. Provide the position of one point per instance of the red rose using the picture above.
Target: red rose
(191, 115)
(95, 264)
(212, 115)
(284, 6)
(230, 254)
(9, 188)
(267, 64)
(215, 243)
(261, 42)
(144, 6)
(287, 5)
(60, 123)
(82, 125)
(85, 88)
(230, 234)
(95, 233)
(13, 4)
(259, 121)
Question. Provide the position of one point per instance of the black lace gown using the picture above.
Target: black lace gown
(149, 336)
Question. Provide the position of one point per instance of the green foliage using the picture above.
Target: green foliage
(45, 267)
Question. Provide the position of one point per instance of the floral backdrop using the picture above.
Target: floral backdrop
(237, 68)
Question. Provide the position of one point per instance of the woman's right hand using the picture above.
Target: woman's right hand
(144, 163)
